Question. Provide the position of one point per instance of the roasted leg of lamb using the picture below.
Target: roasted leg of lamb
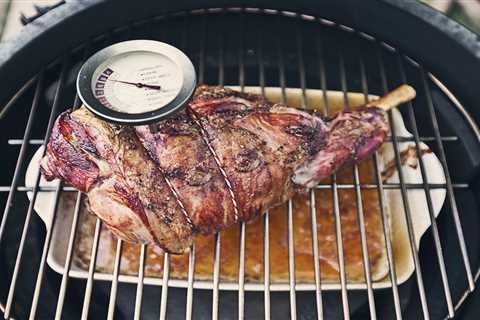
(228, 157)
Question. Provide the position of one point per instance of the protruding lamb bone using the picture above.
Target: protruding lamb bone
(394, 98)
(352, 136)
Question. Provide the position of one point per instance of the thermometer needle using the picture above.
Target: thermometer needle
(139, 84)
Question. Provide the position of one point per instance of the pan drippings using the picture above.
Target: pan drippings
(278, 242)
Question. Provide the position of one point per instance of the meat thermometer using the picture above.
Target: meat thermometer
(136, 82)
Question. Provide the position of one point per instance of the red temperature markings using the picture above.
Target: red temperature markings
(100, 87)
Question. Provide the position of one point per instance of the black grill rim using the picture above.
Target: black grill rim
(134, 24)
(404, 24)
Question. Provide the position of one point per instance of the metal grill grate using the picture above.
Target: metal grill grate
(265, 48)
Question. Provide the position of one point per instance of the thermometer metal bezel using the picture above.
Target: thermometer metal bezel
(85, 78)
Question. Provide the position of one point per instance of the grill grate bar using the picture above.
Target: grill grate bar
(316, 262)
(388, 243)
(46, 246)
(141, 275)
(17, 142)
(166, 255)
(464, 295)
(91, 270)
(341, 258)
(165, 279)
(291, 262)
(48, 239)
(216, 253)
(386, 185)
(266, 220)
(266, 264)
(450, 193)
(18, 261)
(359, 206)
(241, 273)
(21, 156)
(73, 230)
(433, 221)
(191, 278)
(388, 238)
(338, 232)
(405, 201)
(388, 139)
(216, 276)
(291, 249)
(313, 208)
(17, 95)
(380, 186)
(241, 258)
(471, 122)
(98, 228)
(68, 259)
(191, 254)
(423, 139)
(201, 60)
(114, 287)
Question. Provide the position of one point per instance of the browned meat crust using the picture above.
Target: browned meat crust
(178, 148)
(229, 157)
(124, 186)
(256, 147)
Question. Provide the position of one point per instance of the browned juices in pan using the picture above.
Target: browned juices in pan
(304, 265)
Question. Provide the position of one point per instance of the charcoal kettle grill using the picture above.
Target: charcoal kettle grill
(369, 46)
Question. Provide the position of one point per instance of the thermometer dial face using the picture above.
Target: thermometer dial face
(136, 82)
